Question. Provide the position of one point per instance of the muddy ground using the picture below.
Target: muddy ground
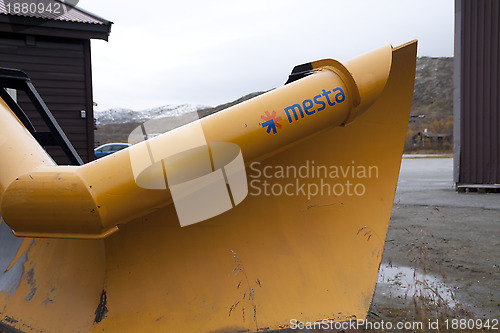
(453, 242)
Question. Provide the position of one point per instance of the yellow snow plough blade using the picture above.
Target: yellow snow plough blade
(148, 240)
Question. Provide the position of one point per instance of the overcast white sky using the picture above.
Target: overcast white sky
(215, 51)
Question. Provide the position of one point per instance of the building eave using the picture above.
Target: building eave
(44, 27)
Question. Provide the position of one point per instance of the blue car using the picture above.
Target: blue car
(109, 148)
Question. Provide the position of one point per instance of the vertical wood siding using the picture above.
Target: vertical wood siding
(480, 92)
(59, 69)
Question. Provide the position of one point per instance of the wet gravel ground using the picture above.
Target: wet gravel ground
(451, 240)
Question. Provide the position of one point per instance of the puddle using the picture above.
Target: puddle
(406, 282)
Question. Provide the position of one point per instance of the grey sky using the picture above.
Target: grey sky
(212, 52)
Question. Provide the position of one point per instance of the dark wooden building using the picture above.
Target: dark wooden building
(477, 94)
(53, 49)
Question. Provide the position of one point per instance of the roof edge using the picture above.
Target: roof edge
(97, 17)
(54, 28)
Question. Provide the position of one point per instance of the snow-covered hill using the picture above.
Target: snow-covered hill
(121, 115)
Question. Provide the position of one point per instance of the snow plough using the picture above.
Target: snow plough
(265, 216)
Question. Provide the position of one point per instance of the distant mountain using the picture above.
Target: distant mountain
(208, 111)
(433, 93)
(115, 125)
(121, 115)
(432, 98)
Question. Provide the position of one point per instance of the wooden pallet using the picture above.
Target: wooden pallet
(479, 188)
